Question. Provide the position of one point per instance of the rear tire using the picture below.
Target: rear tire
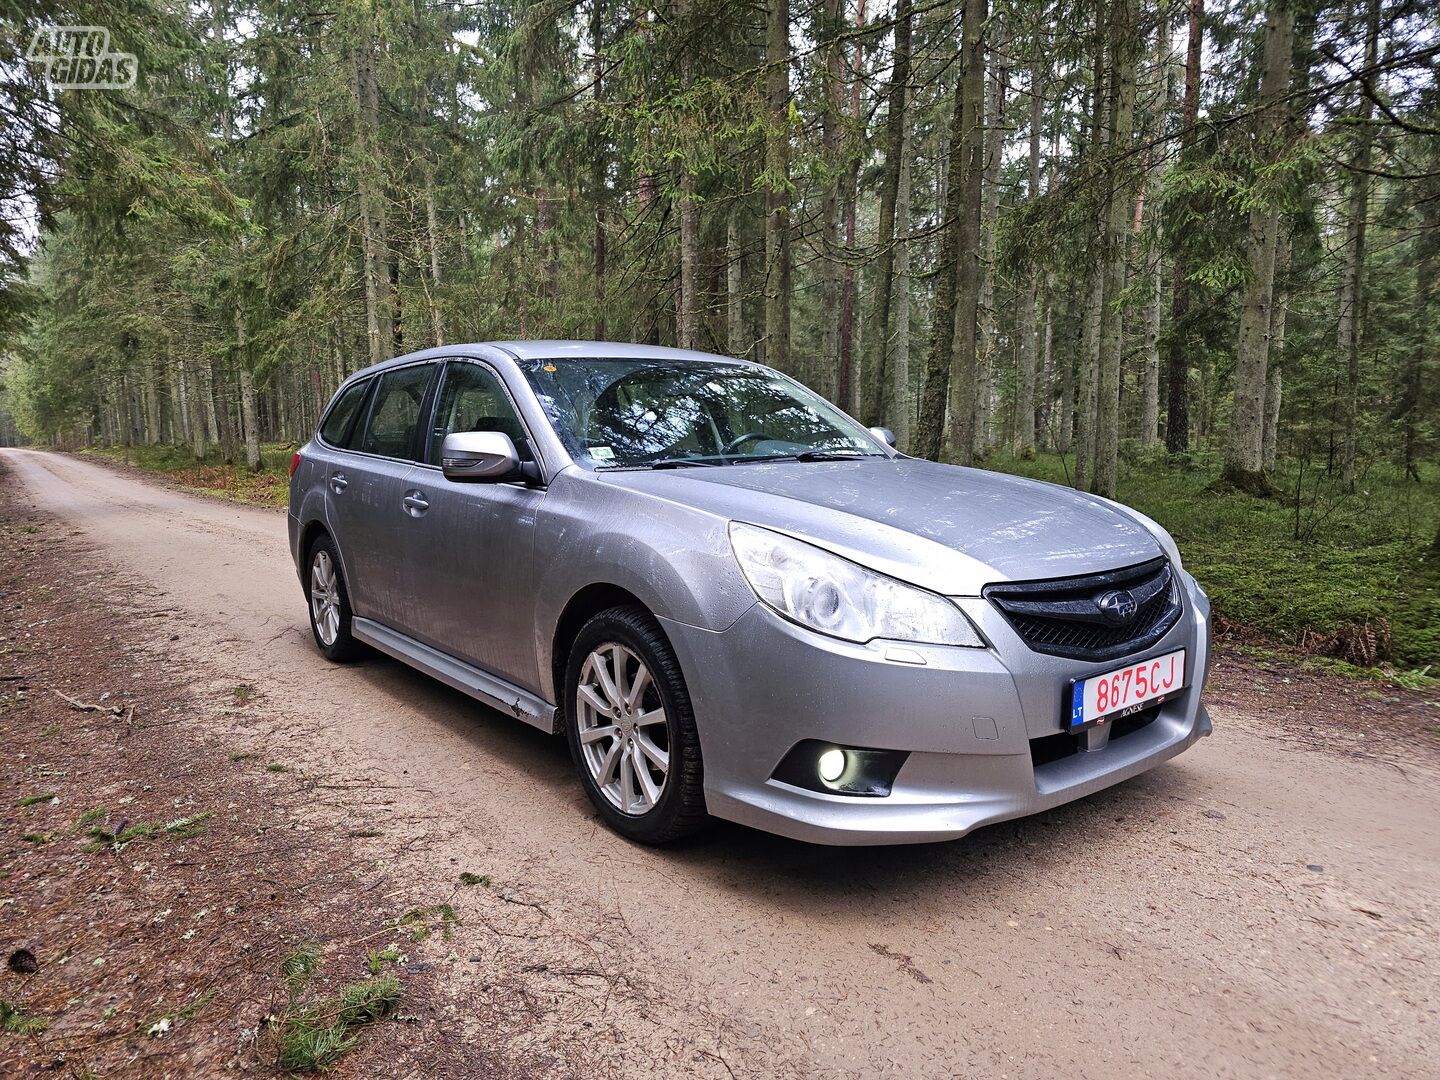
(631, 728)
(329, 603)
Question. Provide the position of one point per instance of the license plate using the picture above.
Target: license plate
(1126, 690)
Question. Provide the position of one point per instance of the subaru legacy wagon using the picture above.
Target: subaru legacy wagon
(735, 601)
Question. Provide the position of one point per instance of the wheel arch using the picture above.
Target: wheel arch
(311, 531)
(588, 602)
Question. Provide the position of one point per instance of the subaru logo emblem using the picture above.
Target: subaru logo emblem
(1118, 606)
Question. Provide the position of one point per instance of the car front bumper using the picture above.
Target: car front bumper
(966, 717)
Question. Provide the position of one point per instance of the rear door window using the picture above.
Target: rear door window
(394, 419)
(338, 422)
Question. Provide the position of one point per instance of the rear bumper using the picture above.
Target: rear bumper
(966, 717)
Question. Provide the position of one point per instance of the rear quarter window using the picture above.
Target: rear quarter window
(341, 418)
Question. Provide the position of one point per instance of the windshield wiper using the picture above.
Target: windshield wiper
(832, 455)
(662, 463)
(804, 455)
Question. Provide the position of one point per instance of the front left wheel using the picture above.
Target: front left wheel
(631, 729)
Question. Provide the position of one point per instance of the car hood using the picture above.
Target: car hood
(946, 528)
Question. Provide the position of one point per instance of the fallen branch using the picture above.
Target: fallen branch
(85, 706)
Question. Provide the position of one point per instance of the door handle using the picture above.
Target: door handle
(415, 503)
(338, 483)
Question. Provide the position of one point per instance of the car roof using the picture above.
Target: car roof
(554, 350)
(560, 350)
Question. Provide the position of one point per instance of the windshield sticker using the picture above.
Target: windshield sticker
(602, 453)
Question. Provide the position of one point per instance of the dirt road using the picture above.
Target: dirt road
(1266, 905)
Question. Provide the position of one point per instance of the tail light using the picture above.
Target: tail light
(294, 462)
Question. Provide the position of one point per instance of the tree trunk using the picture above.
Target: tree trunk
(1427, 273)
(597, 166)
(1274, 379)
(1154, 247)
(1026, 328)
(687, 311)
(989, 217)
(1244, 444)
(1087, 378)
(687, 325)
(879, 402)
(179, 402)
(378, 317)
(934, 392)
(1177, 375)
(251, 431)
(900, 409)
(432, 231)
(1126, 51)
(153, 421)
(969, 151)
(202, 412)
(734, 305)
(1087, 375)
(829, 27)
(849, 192)
(1352, 295)
(777, 195)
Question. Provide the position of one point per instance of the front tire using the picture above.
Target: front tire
(631, 728)
(329, 604)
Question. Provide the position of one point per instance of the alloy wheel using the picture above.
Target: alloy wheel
(325, 598)
(623, 734)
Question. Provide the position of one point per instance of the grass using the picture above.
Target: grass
(102, 836)
(1358, 558)
(417, 922)
(276, 766)
(313, 1034)
(244, 755)
(467, 878)
(15, 1021)
(33, 800)
(376, 961)
(269, 487)
(299, 966)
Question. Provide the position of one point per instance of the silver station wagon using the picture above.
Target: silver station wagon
(735, 601)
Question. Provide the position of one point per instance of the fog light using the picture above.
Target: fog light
(821, 766)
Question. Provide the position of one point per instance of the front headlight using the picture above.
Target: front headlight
(835, 596)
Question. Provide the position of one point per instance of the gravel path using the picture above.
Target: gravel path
(1266, 905)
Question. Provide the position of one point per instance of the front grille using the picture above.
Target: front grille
(1065, 617)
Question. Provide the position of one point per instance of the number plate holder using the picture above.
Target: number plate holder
(1126, 690)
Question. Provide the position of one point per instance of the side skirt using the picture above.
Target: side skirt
(468, 679)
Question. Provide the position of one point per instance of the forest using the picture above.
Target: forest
(1184, 253)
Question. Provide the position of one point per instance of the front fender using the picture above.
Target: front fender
(675, 559)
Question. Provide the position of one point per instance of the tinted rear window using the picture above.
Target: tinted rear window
(336, 428)
(394, 416)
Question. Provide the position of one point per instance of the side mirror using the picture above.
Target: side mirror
(885, 435)
(479, 456)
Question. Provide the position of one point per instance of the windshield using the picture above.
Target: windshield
(619, 413)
